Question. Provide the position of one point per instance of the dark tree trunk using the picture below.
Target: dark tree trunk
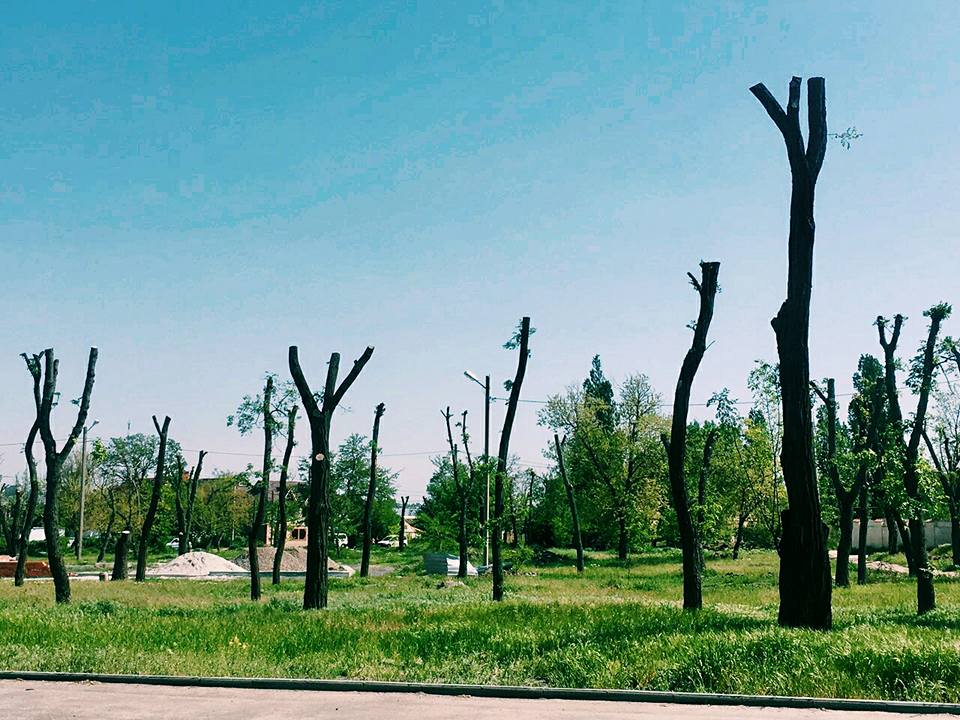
(32, 498)
(623, 536)
(44, 400)
(676, 444)
(151, 515)
(120, 571)
(862, 539)
(318, 503)
(402, 535)
(13, 531)
(256, 525)
(845, 498)
(503, 456)
(281, 539)
(178, 502)
(191, 499)
(910, 450)
(805, 584)
(571, 501)
(371, 494)
(108, 532)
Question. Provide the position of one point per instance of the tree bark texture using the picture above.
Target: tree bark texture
(260, 511)
(676, 444)
(151, 514)
(319, 415)
(371, 493)
(805, 583)
(280, 541)
(503, 457)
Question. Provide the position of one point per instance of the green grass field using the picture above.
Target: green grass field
(619, 626)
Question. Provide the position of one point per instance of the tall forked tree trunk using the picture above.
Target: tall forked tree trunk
(24, 545)
(371, 493)
(805, 584)
(280, 541)
(260, 512)
(462, 549)
(571, 501)
(676, 444)
(191, 499)
(45, 366)
(320, 416)
(151, 515)
(503, 455)
(910, 450)
(845, 498)
(402, 535)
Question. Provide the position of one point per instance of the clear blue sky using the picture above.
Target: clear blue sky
(193, 189)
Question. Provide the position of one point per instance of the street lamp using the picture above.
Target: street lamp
(83, 484)
(485, 384)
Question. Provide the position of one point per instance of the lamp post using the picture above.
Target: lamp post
(485, 384)
(83, 485)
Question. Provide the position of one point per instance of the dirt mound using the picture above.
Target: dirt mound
(293, 559)
(194, 564)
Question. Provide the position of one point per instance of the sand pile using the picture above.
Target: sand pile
(294, 560)
(194, 564)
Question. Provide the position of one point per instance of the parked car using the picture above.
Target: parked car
(175, 544)
(341, 540)
(390, 541)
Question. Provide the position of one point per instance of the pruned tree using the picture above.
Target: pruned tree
(571, 501)
(460, 486)
(34, 494)
(371, 493)
(120, 570)
(846, 497)
(320, 415)
(676, 444)
(280, 540)
(187, 544)
(805, 585)
(179, 478)
(520, 341)
(43, 368)
(402, 535)
(148, 519)
(921, 381)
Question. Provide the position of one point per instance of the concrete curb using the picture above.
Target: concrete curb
(501, 691)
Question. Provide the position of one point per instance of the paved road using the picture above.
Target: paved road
(36, 700)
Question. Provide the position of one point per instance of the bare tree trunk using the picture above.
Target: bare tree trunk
(22, 550)
(738, 540)
(402, 535)
(154, 500)
(676, 444)
(253, 537)
(178, 502)
(120, 571)
(371, 493)
(623, 537)
(926, 597)
(44, 400)
(503, 456)
(281, 539)
(194, 482)
(318, 504)
(862, 539)
(805, 586)
(571, 501)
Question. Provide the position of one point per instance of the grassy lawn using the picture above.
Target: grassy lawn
(618, 626)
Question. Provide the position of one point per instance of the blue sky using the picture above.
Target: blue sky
(192, 190)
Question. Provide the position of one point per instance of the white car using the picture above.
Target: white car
(390, 541)
(174, 544)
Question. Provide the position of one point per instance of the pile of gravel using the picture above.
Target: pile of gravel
(293, 559)
(194, 564)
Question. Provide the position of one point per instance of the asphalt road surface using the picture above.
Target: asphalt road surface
(36, 700)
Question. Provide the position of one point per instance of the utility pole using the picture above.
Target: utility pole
(83, 486)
